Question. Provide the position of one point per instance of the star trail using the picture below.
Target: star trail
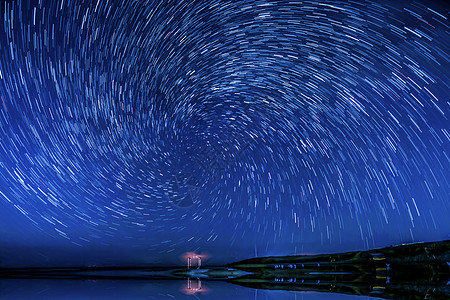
(233, 128)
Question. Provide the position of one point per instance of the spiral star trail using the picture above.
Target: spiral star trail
(234, 128)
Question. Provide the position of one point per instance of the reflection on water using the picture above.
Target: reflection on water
(413, 271)
(49, 289)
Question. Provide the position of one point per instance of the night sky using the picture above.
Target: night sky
(132, 132)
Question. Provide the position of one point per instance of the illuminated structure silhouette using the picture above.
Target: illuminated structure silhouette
(197, 258)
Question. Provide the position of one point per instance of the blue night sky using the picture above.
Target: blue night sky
(132, 132)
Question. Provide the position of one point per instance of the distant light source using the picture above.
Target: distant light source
(194, 259)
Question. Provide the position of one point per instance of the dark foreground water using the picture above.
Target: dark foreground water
(141, 289)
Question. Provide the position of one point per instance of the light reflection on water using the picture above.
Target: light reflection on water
(49, 289)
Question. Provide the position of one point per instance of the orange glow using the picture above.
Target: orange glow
(204, 256)
(195, 286)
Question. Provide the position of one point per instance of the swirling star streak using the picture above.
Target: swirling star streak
(268, 127)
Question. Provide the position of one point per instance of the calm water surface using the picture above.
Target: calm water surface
(156, 289)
